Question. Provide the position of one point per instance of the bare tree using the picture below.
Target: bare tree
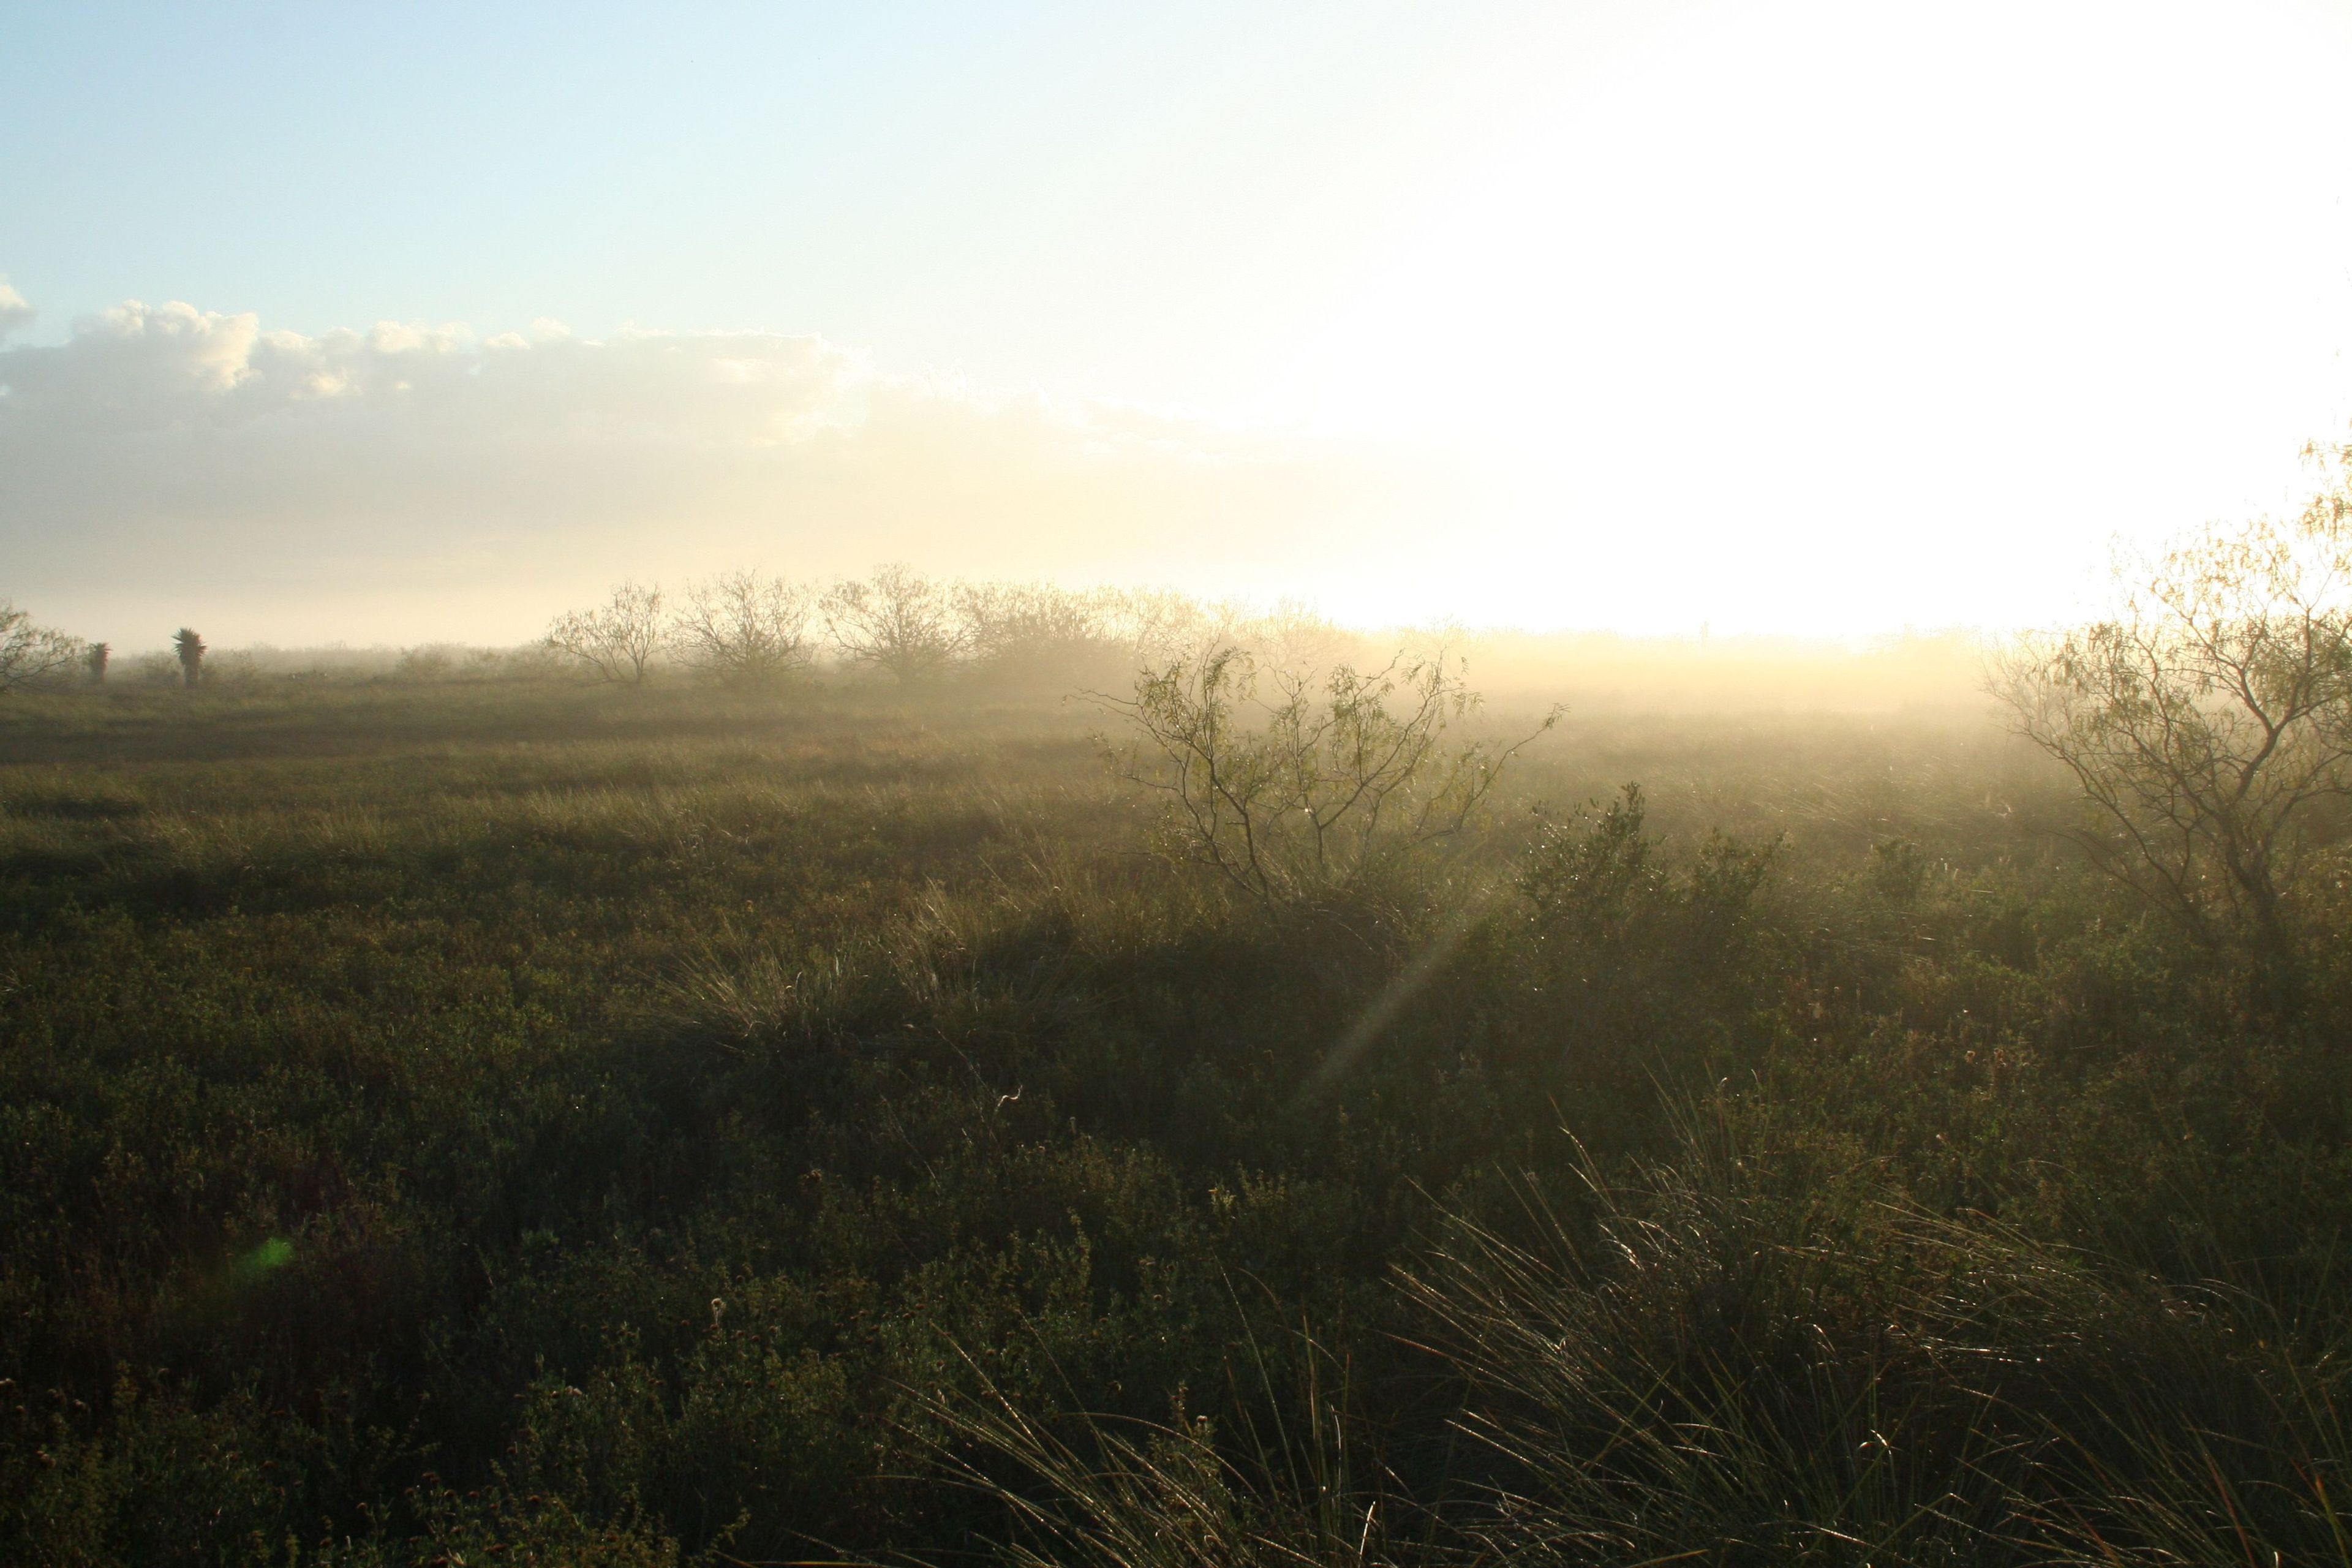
(899, 621)
(30, 652)
(1318, 782)
(2207, 719)
(617, 639)
(1156, 626)
(742, 627)
(1038, 627)
(188, 647)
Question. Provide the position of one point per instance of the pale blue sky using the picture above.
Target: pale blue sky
(1141, 200)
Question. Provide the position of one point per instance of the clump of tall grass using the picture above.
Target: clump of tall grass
(1740, 1356)
(1285, 1481)
(1697, 1359)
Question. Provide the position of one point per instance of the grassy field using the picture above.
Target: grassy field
(507, 1121)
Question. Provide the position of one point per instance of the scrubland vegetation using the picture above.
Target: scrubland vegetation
(1253, 1117)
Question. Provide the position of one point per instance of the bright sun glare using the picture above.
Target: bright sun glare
(1869, 313)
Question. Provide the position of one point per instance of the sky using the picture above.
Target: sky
(399, 323)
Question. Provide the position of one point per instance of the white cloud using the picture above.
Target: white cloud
(13, 312)
(410, 480)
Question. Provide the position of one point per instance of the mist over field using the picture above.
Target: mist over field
(1266, 786)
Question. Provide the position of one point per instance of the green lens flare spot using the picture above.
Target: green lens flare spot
(264, 1260)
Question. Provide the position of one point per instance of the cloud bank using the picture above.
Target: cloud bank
(169, 463)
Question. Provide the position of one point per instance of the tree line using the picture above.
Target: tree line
(33, 655)
(749, 627)
(896, 622)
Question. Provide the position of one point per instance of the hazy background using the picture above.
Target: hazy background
(1788, 317)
